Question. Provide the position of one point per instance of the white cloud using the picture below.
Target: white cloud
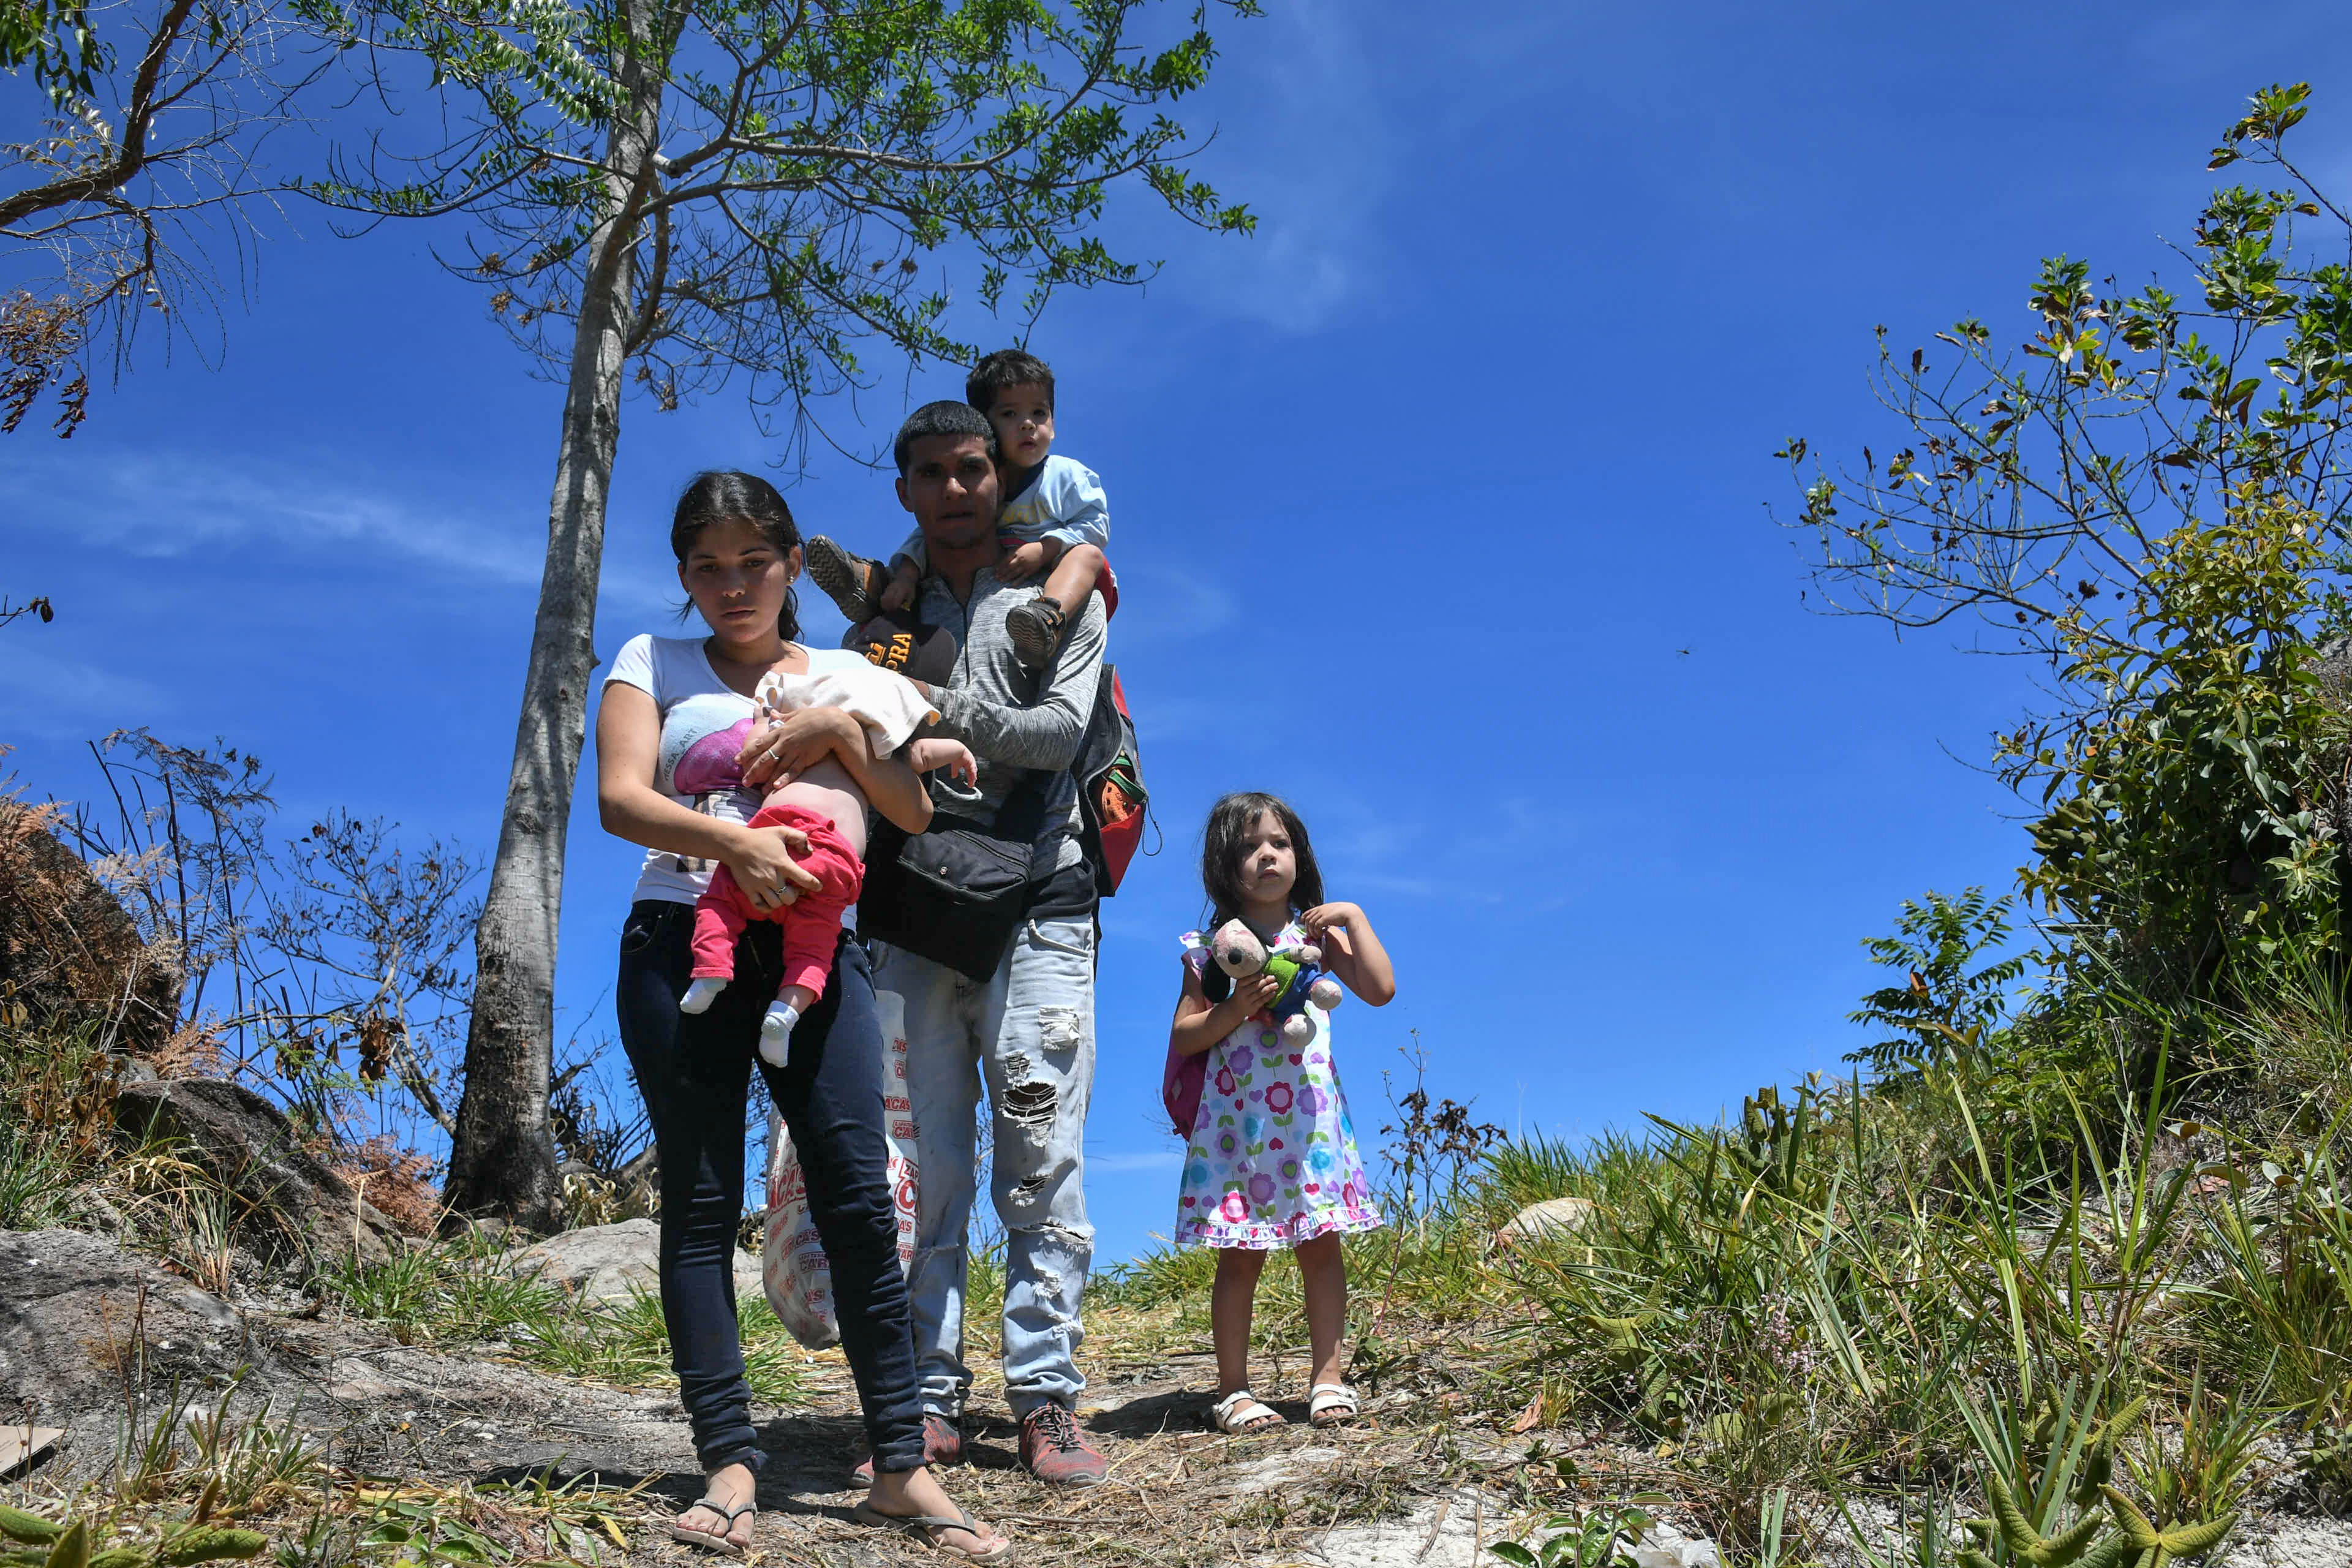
(171, 505)
(1505, 849)
(1169, 603)
(1301, 139)
(54, 697)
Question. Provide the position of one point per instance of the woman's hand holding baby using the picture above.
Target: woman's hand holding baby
(796, 742)
(766, 865)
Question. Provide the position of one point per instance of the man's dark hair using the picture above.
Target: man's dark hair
(941, 418)
(1006, 367)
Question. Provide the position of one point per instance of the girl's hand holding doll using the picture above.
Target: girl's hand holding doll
(1351, 950)
(1323, 917)
(1250, 997)
(1200, 1024)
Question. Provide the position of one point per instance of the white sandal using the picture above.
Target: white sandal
(1242, 1411)
(1329, 1404)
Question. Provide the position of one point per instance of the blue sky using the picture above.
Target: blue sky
(1440, 507)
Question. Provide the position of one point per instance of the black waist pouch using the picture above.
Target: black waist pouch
(956, 893)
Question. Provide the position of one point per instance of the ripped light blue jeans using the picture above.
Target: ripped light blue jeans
(1028, 1034)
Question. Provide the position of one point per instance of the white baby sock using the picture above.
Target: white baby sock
(776, 1032)
(701, 994)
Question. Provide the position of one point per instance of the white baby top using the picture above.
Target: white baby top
(883, 700)
(701, 716)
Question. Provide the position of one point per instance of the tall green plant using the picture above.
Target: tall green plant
(2151, 494)
(1947, 1005)
(2188, 820)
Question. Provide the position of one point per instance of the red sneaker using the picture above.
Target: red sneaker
(942, 1445)
(1056, 1452)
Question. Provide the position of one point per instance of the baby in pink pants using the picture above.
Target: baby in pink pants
(821, 801)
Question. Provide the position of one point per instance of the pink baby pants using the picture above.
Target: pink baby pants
(812, 923)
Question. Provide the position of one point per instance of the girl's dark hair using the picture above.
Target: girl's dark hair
(730, 497)
(1220, 853)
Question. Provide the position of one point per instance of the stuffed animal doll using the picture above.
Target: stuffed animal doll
(1298, 965)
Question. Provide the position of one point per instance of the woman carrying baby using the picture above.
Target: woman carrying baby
(738, 552)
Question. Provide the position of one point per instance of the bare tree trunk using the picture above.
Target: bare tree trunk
(503, 1156)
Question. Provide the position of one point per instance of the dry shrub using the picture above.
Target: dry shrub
(397, 1182)
(193, 1051)
(63, 1085)
(68, 951)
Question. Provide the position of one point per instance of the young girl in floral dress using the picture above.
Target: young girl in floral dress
(1272, 1161)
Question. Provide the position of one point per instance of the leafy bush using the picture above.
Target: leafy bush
(2189, 823)
(2151, 494)
(1946, 1006)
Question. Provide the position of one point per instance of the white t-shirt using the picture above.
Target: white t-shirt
(697, 705)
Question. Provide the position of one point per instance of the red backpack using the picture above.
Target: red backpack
(1114, 806)
(1112, 801)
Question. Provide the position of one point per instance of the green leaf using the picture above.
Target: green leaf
(208, 1543)
(30, 1529)
(72, 1548)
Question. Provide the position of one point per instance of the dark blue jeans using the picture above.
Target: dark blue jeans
(695, 1072)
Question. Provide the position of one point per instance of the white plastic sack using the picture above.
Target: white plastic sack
(793, 1266)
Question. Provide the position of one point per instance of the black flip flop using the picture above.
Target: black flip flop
(708, 1540)
(927, 1528)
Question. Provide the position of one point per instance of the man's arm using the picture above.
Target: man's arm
(1044, 732)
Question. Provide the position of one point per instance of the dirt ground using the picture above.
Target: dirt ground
(1179, 1493)
(1426, 1479)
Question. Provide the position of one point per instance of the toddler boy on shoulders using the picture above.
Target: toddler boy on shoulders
(1053, 518)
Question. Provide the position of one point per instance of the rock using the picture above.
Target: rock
(1284, 1467)
(84, 1324)
(2291, 1541)
(1449, 1532)
(68, 954)
(615, 1262)
(1665, 1547)
(81, 1322)
(1550, 1219)
(295, 1210)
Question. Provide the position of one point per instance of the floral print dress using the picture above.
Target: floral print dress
(1272, 1161)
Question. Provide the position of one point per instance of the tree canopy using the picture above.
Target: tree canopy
(811, 175)
(117, 212)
